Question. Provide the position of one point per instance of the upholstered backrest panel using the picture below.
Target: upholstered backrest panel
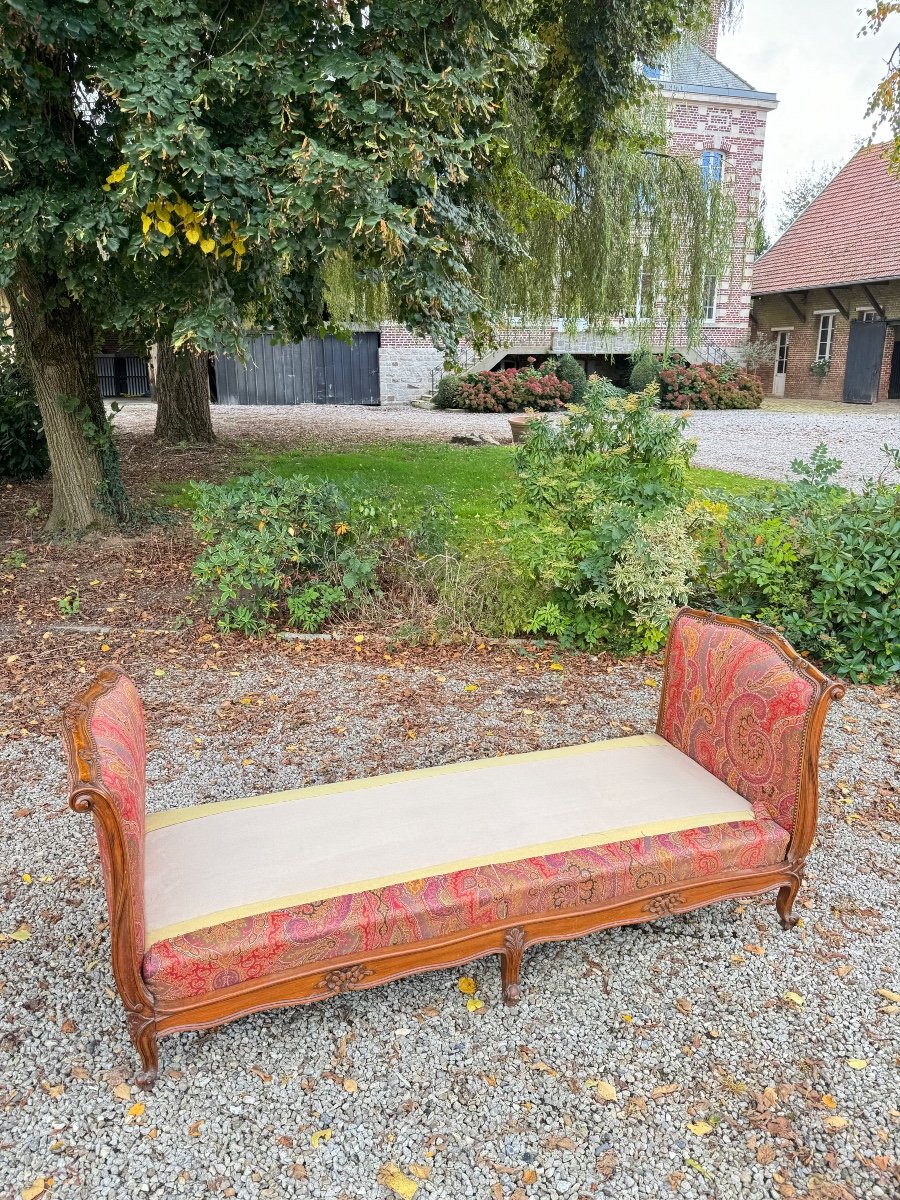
(118, 764)
(738, 706)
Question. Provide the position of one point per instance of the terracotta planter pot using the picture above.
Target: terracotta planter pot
(518, 424)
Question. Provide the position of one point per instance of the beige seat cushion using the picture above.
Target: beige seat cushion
(216, 862)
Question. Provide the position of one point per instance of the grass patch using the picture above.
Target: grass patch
(471, 479)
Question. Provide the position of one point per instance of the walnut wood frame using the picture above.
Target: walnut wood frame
(149, 1019)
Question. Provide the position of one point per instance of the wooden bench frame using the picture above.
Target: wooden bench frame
(149, 1019)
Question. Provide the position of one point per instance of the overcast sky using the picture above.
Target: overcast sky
(808, 53)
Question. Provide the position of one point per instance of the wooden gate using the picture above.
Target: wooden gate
(314, 371)
(865, 351)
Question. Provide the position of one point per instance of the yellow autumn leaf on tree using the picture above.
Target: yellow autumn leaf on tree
(118, 174)
(165, 227)
(146, 221)
(391, 1177)
(207, 245)
(467, 986)
(192, 233)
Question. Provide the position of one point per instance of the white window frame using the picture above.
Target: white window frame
(825, 334)
(865, 312)
(710, 300)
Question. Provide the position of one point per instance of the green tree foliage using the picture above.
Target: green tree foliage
(23, 447)
(179, 167)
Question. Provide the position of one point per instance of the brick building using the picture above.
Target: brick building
(714, 116)
(828, 291)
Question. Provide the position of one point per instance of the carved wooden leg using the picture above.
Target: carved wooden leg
(142, 1030)
(784, 902)
(511, 962)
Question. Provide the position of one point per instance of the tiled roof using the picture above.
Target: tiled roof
(849, 234)
(690, 68)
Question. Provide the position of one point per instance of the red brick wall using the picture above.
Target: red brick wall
(710, 39)
(773, 312)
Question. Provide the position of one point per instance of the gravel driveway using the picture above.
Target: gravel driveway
(687, 1019)
(754, 443)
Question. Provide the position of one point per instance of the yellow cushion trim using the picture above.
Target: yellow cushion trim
(175, 816)
(626, 833)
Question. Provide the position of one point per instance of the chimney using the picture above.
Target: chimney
(709, 39)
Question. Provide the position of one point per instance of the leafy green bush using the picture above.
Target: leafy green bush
(645, 371)
(570, 371)
(598, 522)
(816, 561)
(447, 392)
(705, 385)
(23, 447)
(299, 550)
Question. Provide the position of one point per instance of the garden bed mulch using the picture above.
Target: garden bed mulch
(736, 1061)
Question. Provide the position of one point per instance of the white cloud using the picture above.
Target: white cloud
(809, 53)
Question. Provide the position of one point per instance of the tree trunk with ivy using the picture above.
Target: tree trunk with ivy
(57, 346)
(182, 396)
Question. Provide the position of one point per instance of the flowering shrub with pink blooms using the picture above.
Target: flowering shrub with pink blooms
(513, 390)
(706, 385)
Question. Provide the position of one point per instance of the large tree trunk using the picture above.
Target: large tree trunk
(182, 396)
(57, 345)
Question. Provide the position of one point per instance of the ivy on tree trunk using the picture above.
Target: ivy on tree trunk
(57, 345)
(182, 395)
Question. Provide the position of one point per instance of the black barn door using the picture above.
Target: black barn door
(865, 351)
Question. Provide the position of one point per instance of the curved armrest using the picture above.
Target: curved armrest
(740, 701)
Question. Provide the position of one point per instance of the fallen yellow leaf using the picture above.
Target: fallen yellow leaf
(360, 637)
(159, 672)
(700, 1128)
(794, 998)
(471, 687)
(665, 1089)
(835, 1123)
(320, 1136)
(888, 994)
(122, 1091)
(391, 1177)
(351, 1086)
(467, 986)
(627, 1018)
(829, 1101)
(136, 1110)
(473, 1004)
(22, 934)
(420, 1172)
(858, 1064)
(26, 878)
(529, 1175)
(605, 1090)
(194, 1129)
(556, 667)
(36, 1189)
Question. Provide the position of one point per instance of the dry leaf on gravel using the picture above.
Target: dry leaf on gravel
(467, 986)
(320, 1136)
(835, 1123)
(122, 1091)
(604, 1089)
(391, 1177)
(700, 1128)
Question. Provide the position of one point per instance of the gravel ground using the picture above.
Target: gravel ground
(754, 443)
(686, 1018)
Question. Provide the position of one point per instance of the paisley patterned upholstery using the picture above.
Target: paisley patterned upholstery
(736, 705)
(253, 947)
(119, 751)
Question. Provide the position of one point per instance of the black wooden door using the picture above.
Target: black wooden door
(865, 351)
(894, 381)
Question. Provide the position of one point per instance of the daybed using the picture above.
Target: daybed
(231, 907)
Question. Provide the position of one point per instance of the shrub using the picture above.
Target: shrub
(299, 550)
(513, 390)
(599, 522)
(570, 371)
(645, 372)
(447, 392)
(23, 447)
(706, 385)
(816, 561)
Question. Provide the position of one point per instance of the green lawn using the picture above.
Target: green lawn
(471, 479)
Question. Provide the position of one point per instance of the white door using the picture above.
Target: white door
(782, 342)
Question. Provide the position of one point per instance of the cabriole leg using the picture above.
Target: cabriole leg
(510, 964)
(784, 902)
(143, 1036)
